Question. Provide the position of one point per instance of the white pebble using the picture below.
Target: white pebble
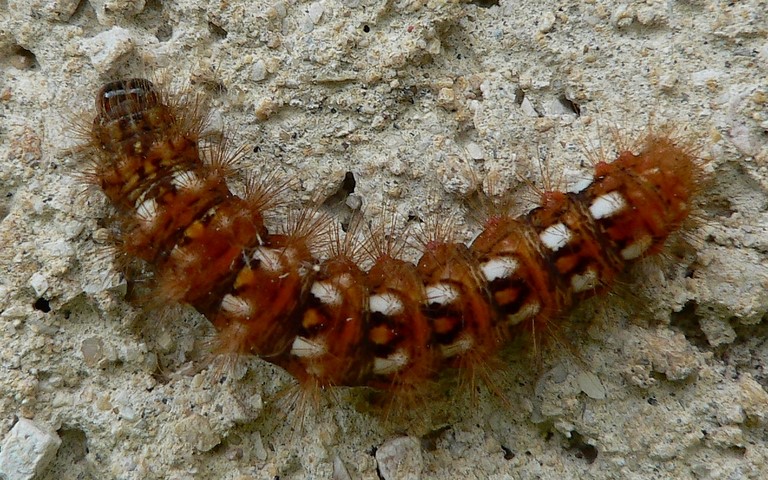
(591, 385)
(315, 12)
(400, 458)
(27, 450)
(701, 77)
(195, 431)
(39, 283)
(528, 108)
(355, 202)
(57, 10)
(547, 21)
(475, 151)
(259, 71)
(106, 48)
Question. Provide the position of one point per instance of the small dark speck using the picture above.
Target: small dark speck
(366, 28)
(42, 305)
(589, 453)
(508, 454)
(485, 3)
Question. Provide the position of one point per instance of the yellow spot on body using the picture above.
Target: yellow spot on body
(149, 166)
(245, 277)
(380, 335)
(195, 230)
(442, 325)
(311, 319)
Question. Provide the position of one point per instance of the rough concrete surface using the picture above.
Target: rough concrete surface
(423, 102)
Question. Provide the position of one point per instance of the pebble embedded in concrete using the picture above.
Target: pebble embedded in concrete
(400, 458)
(27, 450)
(107, 47)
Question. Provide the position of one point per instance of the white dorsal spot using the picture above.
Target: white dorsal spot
(182, 256)
(527, 311)
(501, 267)
(237, 306)
(555, 236)
(460, 346)
(345, 280)
(391, 364)
(607, 205)
(327, 293)
(223, 222)
(637, 249)
(147, 210)
(211, 212)
(305, 348)
(185, 180)
(583, 282)
(442, 294)
(177, 253)
(387, 304)
(291, 255)
(269, 258)
(580, 184)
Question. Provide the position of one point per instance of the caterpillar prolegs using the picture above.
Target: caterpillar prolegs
(330, 322)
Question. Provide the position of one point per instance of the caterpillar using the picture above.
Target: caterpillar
(395, 324)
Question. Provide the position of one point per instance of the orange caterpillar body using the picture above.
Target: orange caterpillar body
(330, 322)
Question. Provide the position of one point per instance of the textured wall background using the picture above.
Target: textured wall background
(421, 101)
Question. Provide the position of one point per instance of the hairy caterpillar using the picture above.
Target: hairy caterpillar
(329, 322)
